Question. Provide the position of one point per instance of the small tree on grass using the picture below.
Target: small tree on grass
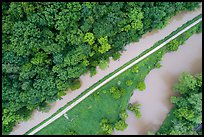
(135, 108)
(116, 92)
(158, 65)
(123, 115)
(141, 86)
(121, 125)
(135, 69)
(106, 126)
(129, 82)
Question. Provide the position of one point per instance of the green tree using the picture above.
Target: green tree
(89, 37)
(141, 86)
(104, 45)
(121, 125)
(135, 108)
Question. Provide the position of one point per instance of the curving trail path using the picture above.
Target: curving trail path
(132, 51)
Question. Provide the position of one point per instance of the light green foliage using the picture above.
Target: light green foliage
(129, 82)
(135, 69)
(186, 82)
(89, 37)
(103, 64)
(106, 126)
(149, 132)
(158, 65)
(141, 86)
(121, 125)
(123, 115)
(104, 45)
(135, 108)
(61, 93)
(184, 113)
(173, 45)
(116, 92)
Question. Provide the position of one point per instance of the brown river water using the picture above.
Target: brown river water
(155, 99)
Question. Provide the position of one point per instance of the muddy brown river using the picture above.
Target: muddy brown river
(155, 99)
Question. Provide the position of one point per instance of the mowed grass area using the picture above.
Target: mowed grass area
(86, 116)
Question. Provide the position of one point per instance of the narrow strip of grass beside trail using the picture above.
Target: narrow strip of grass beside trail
(100, 81)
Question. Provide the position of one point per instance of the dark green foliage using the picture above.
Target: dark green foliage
(47, 45)
(116, 56)
(75, 85)
(187, 112)
(44, 107)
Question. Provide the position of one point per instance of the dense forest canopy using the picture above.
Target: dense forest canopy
(47, 46)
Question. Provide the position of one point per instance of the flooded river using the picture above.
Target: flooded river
(154, 100)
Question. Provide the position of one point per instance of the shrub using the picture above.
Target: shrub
(76, 85)
(106, 126)
(116, 56)
(121, 125)
(123, 115)
(135, 108)
(141, 86)
(135, 69)
(129, 82)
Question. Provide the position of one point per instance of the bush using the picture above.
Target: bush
(103, 64)
(121, 125)
(106, 126)
(123, 115)
(135, 108)
(135, 69)
(93, 72)
(44, 107)
(116, 56)
(141, 86)
(76, 85)
(129, 82)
